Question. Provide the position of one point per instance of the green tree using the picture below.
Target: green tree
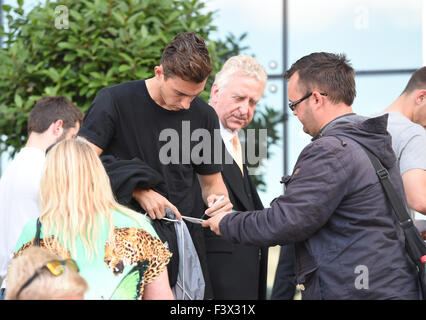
(76, 47)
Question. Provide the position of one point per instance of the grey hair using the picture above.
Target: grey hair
(241, 64)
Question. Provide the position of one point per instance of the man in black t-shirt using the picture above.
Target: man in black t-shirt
(156, 122)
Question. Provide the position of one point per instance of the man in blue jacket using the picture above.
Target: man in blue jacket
(347, 240)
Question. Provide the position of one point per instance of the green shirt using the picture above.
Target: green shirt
(138, 258)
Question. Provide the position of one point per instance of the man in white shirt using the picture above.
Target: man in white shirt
(407, 124)
(237, 271)
(51, 120)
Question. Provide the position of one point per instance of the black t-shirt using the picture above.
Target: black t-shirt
(127, 123)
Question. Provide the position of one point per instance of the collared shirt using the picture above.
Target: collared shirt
(227, 136)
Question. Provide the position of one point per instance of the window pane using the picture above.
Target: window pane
(273, 167)
(375, 35)
(262, 20)
(376, 93)
(297, 139)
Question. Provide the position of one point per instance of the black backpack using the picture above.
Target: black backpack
(414, 243)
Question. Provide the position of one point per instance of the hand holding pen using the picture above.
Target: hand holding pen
(217, 204)
(218, 209)
(201, 220)
(211, 204)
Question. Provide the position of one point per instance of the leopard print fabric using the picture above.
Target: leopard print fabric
(134, 245)
(58, 248)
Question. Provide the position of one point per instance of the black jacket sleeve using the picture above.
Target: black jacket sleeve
(128, 175)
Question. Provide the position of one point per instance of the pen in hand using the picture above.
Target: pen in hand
(218, 200)
(213, 204)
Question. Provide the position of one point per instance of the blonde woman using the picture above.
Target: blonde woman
(40, 275)
(116, 249)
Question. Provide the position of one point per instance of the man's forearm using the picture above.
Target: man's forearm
(213, 188)
(415, 189)
(212, 184)
(218, 189)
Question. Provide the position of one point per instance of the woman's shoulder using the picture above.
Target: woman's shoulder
(27, 240)
(133, 220)
(27, 234)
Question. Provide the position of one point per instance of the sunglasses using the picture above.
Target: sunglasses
(292, 105)
(55, 267)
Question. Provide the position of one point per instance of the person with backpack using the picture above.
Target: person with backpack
(348, 241)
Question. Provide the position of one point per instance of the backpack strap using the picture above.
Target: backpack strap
(37, 235)
(400, 210)
(415, 244)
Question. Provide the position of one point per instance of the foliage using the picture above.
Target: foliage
(102, 43)
(107, 42)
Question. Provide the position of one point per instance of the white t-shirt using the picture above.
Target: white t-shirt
(19, 187)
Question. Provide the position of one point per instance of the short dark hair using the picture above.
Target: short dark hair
(187, 58)
(330, 72)
(417, 81)
(48, 110)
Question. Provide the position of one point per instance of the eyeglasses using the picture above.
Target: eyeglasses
(292, 105)
(55, 267)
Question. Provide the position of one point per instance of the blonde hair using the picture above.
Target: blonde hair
(241, 64)
(45, 285)
(76, 197)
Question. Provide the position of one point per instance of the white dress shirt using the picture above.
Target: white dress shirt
(227, 136)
